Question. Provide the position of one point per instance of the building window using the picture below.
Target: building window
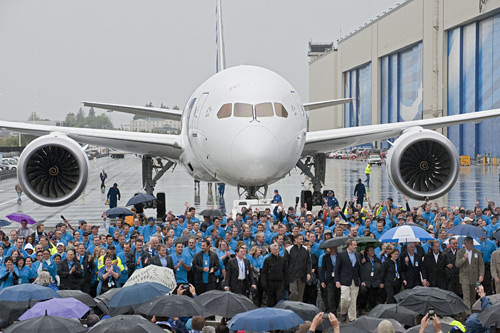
(474, 84)
(358, 86)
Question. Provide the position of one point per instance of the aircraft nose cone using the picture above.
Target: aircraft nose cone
(255, 154)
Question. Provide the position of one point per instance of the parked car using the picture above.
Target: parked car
(374, 159)
(330, 154)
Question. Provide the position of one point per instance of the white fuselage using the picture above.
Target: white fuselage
(257, 137)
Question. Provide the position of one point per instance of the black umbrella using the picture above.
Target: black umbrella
(225, 303)
(395, 311)
(490, 317)
(211, 212)
(118, 211)
(79, 295)
(305, 311)
(126, 324)
(496, 235)
(429, 328)
(46, 324)
(185, 238)
(335, 241)
(421, 299)
(140, 198)
(171, 306)
(103, 299)
(10, 311)
(366, 324)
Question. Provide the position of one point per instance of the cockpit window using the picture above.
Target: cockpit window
(264, 110)
(225, 111)
(243, 110)
(280, 110)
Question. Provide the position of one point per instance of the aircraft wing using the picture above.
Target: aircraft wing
(328, 140)
(164, 145)
(324, 104)
(139, 110)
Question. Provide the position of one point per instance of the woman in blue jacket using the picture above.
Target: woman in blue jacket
(24, 272)
(8, 275)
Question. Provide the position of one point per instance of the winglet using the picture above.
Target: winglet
(220, 57)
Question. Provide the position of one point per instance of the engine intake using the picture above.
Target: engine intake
(53, 170)
(423, 163)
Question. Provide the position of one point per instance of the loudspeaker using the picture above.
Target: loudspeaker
(161, 205)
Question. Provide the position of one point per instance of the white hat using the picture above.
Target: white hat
(28, 247)
(309, 213)
(60, 243)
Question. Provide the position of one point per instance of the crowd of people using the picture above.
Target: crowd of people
(268, 255)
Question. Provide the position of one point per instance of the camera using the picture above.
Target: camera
(185, 286)
(431, 313)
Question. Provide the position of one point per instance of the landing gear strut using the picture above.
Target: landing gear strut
(318, 162)
(148, 181)
(252, 191)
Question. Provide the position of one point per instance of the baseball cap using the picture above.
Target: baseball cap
(309, 213)
(111, 247)
(60, 243)
(60, 224)
(330, 192)
(85, 233)
(468, 219)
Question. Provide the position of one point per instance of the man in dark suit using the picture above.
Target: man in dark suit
(450, 254)
(327, 279)
(435, 267)
(274, 276)
(87, 264)
(348, 279)
(205, 263)
(162, 259)
(239, 278)
(411, 267)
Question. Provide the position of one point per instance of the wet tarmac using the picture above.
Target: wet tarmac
(475, 182)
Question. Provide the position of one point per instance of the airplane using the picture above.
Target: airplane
(244, 126)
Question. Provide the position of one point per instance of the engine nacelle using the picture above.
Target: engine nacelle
(423, 163)
(53, 170)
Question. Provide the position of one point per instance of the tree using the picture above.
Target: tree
(33, 117)
(175, 107)
(80, 118)
(70, 120)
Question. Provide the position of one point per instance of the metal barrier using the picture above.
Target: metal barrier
(7, 174)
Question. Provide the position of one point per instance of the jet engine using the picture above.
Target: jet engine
(53, 170)
(423, 163)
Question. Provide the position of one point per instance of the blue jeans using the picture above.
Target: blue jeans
(367, 178)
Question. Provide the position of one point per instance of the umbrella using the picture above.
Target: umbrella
(366, 324)
(405, 233)
(430, 328)
(61, 307)
(211, 212)
(4, 223)
(460, 240)
(79, 295)
(265, 319)
(140, 198)
(11, 311)
(126, 324)
(467, 230)
(225, 303)
(395, 311)
(47, 324)
(103, 300)
(18, 217)
(27, 292)
(136, 294)
(335, 241)
(496, 235)
(490, 317)
(152, 273)
(185, 238)
(363, 242)
(495, 299)
(421, 299)
(305, 311)
(171, 306)
(118, 211)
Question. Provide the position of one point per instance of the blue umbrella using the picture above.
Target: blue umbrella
(405, 233)
(136, 294)
(265, 319)
(467, 230)
(140, 198)
(4, 223)
(60, 307)
(118, 211)
(27, 292)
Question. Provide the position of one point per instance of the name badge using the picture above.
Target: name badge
(475, 255)
(372, 274)
(333, 274)
(416, 263)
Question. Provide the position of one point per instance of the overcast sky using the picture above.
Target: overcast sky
(54, 54)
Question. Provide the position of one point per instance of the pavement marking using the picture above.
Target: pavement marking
(8, 201)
